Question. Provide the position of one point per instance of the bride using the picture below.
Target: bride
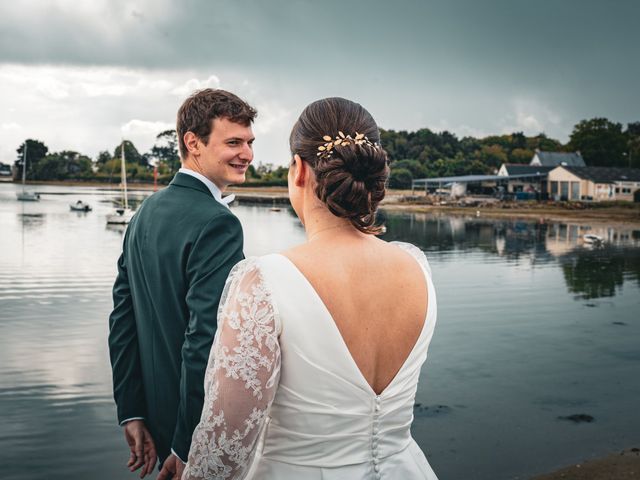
(315, 364)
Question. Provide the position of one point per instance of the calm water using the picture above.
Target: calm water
(532, 326)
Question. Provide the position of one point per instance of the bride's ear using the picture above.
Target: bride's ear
(301, 171)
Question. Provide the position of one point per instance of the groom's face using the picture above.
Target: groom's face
(226, 157)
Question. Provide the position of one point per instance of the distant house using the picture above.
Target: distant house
(5, 172)
(555, 159)
(594, 183)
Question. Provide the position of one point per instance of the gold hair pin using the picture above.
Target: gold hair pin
(343, 140)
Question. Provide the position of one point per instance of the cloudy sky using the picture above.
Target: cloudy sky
(81, 75)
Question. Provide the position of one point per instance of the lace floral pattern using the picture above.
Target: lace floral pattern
(241, 378)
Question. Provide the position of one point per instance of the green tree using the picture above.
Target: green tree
(131, 154)
(103, 157)
(269, 173)
(442, 154)
(633, 144)
(470, 146)
(476, 167)
(493, 155)
(600, 142)
(520, 155)
(63, 165)
(113, 168)
(400, 178)
(518, 140)
(251, 172)
(36, 151)
(165, 150)
(544, 143)
(417, 169)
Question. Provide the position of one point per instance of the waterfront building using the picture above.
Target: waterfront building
(519, 182)
(574, 183)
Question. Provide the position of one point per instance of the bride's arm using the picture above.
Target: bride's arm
(241, 378)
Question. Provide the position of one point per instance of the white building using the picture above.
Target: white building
(594, 183)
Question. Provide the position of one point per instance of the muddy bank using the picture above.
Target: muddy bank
(623, 465)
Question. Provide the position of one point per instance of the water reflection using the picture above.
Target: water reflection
(601, 272)
(115, 228)
(513, 350)
(32, 220)
(589, 271)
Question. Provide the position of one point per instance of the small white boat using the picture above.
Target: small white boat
(122, 215)
(26, 196)
(592, 239)
(80, 206)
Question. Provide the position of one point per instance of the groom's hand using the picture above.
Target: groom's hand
(143, 449)
(172, 468)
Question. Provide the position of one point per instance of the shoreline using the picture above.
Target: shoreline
(603, 216)
(624, 465)
(403, 201)
(396, 202)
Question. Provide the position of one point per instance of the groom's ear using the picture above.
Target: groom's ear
(301, 171)
(191, 142)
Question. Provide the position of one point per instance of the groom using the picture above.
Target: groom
(177, 253)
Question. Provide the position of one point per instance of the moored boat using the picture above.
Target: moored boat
(24, 195)
(80, 206)
(592, 239)
(122, 215)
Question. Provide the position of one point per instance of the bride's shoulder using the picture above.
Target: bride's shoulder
(255, 265)
(415, 252)
(250, 274)
(408, 247)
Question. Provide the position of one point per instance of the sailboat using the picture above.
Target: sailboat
(122, 215)
(24, 195)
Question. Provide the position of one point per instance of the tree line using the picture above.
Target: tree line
(412, 155)
(427, 154)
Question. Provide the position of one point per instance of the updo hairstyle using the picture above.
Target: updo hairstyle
(340, 141)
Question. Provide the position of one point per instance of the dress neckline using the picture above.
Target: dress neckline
(344, 344)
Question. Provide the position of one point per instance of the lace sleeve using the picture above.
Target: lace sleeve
(241, 378)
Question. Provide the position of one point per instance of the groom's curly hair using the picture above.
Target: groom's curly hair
(198, 111)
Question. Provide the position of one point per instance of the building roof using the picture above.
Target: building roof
(475, 178)
(605, 174)
(523, 169)
(554, 159)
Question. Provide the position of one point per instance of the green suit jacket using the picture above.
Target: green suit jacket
(178, 251)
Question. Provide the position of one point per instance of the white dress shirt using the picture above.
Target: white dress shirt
(213, 188)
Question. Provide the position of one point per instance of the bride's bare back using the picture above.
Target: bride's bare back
(376, 294)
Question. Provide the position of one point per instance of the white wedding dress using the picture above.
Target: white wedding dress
(285, 399)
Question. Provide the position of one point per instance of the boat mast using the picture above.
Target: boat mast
(24, 165)
(123, 176)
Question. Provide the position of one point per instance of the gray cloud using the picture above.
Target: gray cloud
(467, 66)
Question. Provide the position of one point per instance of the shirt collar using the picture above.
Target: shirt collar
(213, 188)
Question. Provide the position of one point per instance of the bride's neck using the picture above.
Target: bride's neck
(321, 223)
